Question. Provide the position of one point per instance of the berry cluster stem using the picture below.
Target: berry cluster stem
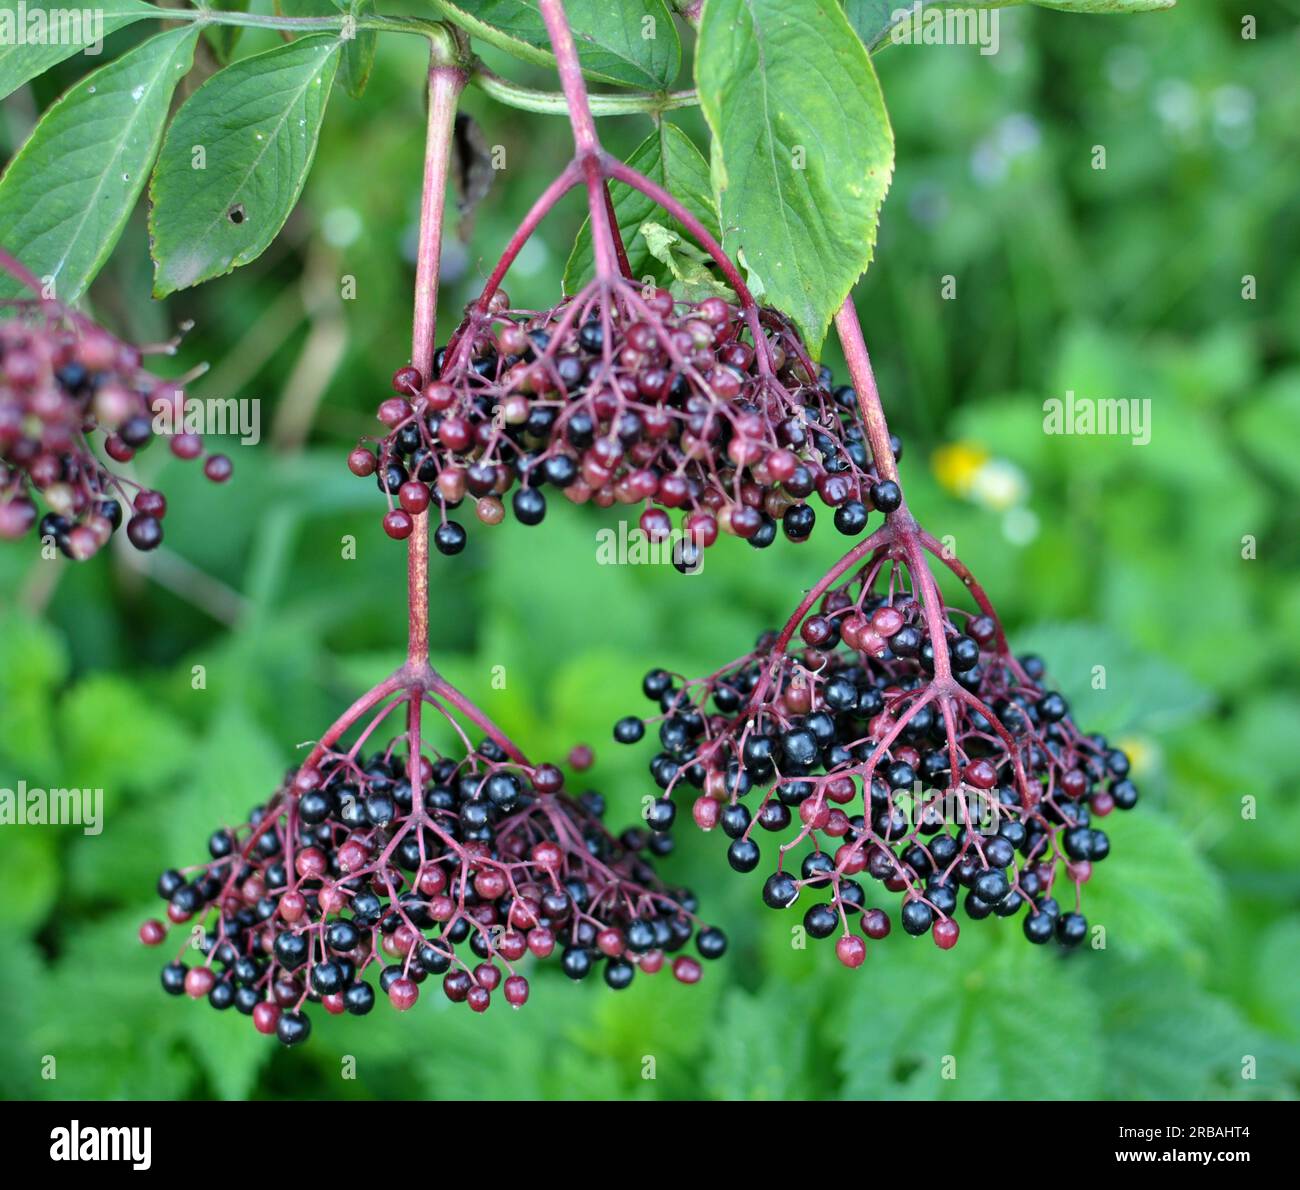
(446, 81)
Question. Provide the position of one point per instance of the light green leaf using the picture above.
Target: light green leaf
(68, 193)
(115, 736)
(669, 157)
(632, 42)
(253, 127)
(802, 155)
(22, 59)
(33, 661)
(1269, 426)
(759, 1048)
(689, 265)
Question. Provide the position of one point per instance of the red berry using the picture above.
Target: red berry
(403, 993)
(851, 950)
(218, 468)
(687, 969)
(152, 932)
(516, 991)
(398, 524)
(266, 1015)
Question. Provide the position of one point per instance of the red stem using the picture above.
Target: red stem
(619, 247)
(446, 81)
(864, 383)
(445, 85)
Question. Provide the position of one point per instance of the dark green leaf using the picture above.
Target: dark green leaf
(1111, 686)
(1167, 1038)
(1154, 890)
(803, 150)
(21, 60)
(224, 38)
(669, 157)
(256, 123)
(993, 1019)
(66, 196)
(358, 44)
(631, 42)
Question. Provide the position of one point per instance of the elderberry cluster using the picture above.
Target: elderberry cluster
(979, 788)
(630, 398)
(454, 869)
(63, 383)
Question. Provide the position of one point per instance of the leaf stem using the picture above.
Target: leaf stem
(553, 103)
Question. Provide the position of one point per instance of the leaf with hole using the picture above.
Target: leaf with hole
(803, 150)
(235, 160)
(631, 42)
(669, 157)
(76, 29)
(68, 193)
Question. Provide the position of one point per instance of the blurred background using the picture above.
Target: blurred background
(1124, 282)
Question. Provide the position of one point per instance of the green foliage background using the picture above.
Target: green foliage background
(1117, 283)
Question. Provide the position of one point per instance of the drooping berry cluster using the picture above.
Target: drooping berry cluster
(456, 869)
(971, 784)
(624, 395)
(63, 384)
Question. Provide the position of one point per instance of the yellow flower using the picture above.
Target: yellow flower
(956, 465)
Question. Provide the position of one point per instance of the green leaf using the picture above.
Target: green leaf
(1141, 692)
(1269, 426)
(33, 661)
(632, 42)
(669, 157)
(922, 1023)
(758, 1049)
(253, 129)
(224, 38)
(68, 193)
(359, 51)
(1154, 890)
(1165, 1037)
(115, 736)
(802, 153)
(358, 45)
(21, 60)
(689, 265)
(873, 19)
